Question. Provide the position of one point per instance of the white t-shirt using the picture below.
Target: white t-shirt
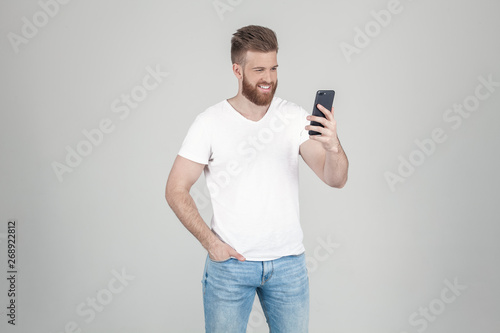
(252, 176)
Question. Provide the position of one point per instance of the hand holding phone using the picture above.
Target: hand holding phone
(325, 98)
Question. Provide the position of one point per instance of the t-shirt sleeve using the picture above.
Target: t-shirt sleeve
(304, 134)
(197, 143)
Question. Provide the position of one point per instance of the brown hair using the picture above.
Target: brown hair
(252, 38)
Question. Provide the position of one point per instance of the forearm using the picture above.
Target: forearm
(185, 208)
(335, 167)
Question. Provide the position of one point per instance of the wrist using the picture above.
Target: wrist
(335, 148)
(210, 241)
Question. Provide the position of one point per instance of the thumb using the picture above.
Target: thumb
(235, 254)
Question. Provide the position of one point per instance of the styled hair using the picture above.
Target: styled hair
(252, 38)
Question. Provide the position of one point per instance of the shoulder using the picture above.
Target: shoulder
(212, 113)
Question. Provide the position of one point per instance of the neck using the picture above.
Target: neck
(246, 108)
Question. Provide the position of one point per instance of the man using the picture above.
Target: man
(248, 147)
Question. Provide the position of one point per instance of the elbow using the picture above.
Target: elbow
(338, 183)
(175, 193)
(169, 194)
(341, 185)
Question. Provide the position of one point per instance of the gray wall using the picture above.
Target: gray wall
(409, 245)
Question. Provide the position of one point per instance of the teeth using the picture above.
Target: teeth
(265, 87)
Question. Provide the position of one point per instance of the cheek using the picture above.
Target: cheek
(248, 77)
(253, 79)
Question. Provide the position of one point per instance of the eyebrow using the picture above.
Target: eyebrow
(264, 67)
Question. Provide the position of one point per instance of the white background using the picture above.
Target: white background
(393, 250)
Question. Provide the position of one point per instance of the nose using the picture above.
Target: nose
(267, 77)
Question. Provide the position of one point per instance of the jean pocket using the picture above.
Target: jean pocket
(219, 261)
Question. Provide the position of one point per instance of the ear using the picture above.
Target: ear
(238, 71)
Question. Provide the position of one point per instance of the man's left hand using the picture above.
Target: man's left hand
(328, 137)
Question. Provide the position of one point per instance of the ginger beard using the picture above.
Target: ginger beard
(255, 95)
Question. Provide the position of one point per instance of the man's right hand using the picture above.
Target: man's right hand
(220, 251)
(183, 175)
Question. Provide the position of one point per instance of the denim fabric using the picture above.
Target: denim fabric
(282, 286)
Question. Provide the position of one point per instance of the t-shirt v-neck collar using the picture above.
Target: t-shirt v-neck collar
(243, 118)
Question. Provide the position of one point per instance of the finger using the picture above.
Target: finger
(237, 255)
(325, 111)
(315, 128)
(321, 139)
(217, 258)
(322, 121)
(325, 132)
(317, 118)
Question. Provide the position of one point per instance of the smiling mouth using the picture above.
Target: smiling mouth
(264, 87)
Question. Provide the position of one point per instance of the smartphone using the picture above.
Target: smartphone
(325, 98)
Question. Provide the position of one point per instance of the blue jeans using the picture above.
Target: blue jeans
(282, 286)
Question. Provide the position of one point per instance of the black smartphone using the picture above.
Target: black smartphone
(325, 98)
